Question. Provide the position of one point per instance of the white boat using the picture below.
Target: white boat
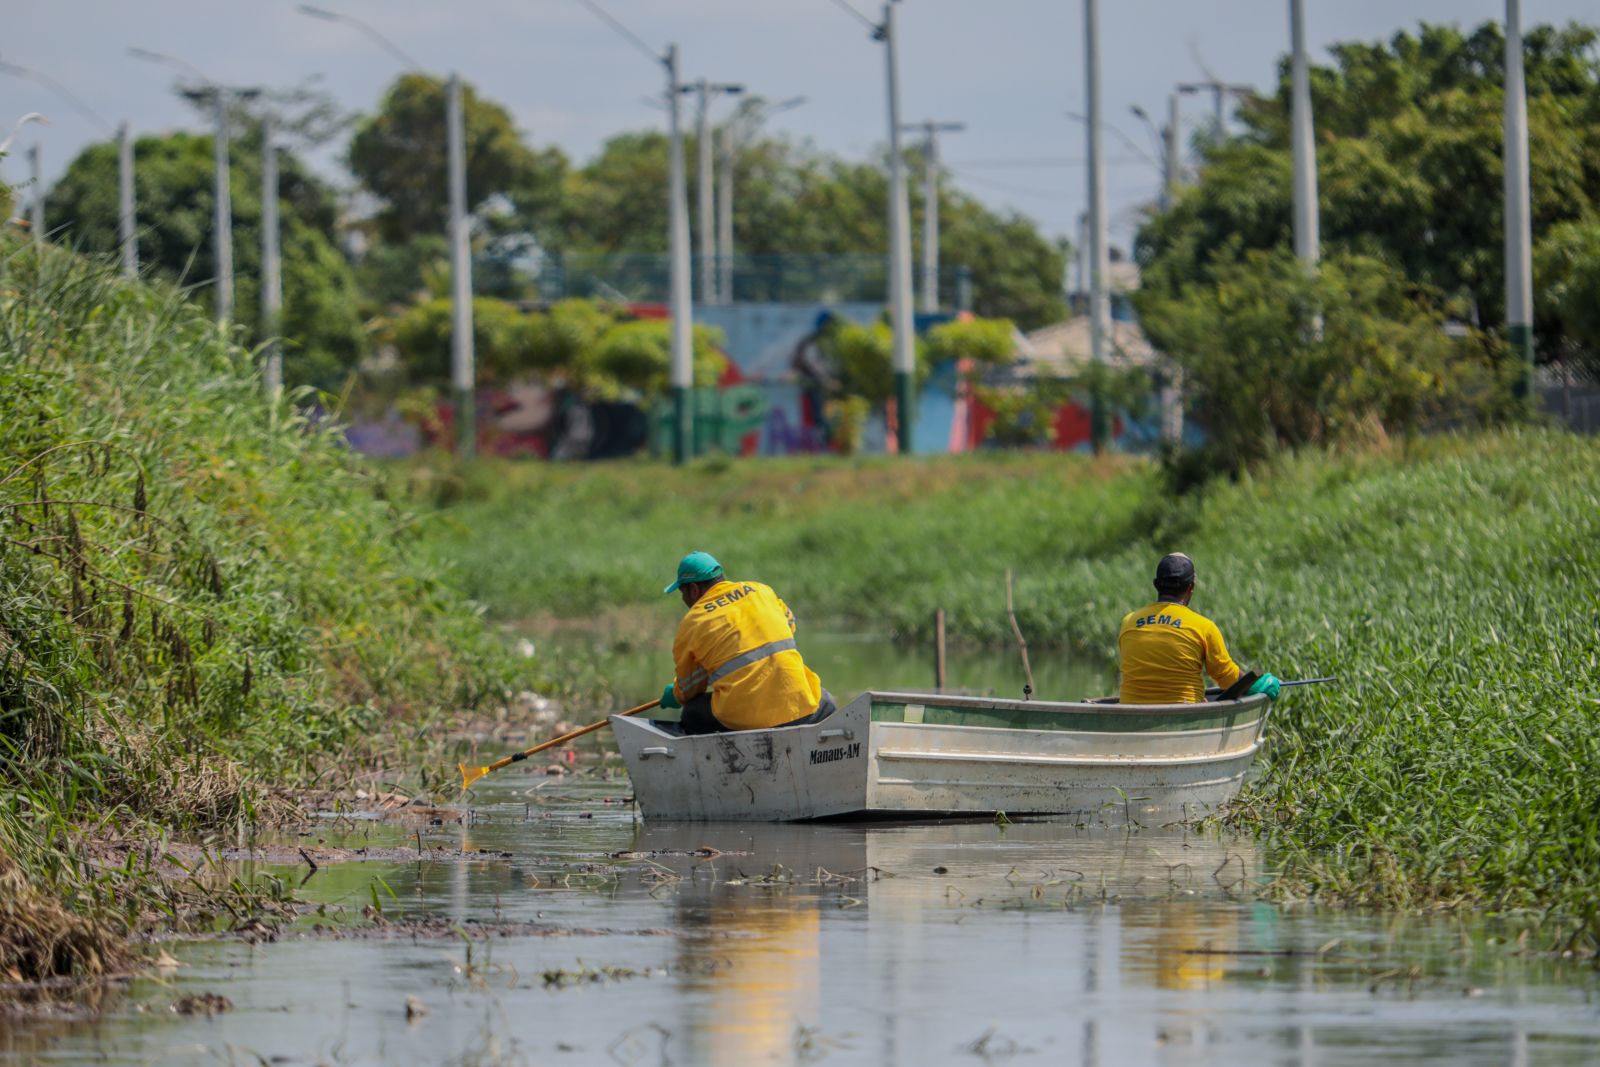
(920, 755)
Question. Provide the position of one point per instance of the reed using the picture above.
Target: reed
(202, 599)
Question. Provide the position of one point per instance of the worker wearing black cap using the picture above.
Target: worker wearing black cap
(1167, 648)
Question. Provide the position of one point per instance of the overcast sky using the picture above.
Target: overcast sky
(1010, 69)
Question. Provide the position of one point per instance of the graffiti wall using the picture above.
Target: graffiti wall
(769, 402)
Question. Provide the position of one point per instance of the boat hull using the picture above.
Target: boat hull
(912, 755)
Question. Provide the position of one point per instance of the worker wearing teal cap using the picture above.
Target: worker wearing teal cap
(735, 656)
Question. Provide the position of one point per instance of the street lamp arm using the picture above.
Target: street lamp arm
(1123, 137)
(170, 61)
(379, 39)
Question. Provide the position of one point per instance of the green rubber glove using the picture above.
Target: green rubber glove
(669, 699)
(1268, 684)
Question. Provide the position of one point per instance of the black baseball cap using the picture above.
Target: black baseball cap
(1175, 571)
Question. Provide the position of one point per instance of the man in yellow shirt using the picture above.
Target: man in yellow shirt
(1166, 648)
(735, 656)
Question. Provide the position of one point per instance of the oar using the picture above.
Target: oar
(1216, 690)
(472, 774)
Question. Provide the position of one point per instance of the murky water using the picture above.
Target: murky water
(1030, 943)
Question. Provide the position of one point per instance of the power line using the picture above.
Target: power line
(626, 34)
(868, 23)
(1041, 161)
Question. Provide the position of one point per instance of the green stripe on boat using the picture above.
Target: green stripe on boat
(1122, 722)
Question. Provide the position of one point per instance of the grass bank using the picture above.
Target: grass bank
(202, 599)
(1453, 584)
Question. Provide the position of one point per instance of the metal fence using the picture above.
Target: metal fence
(1576, 405)
(781, 279)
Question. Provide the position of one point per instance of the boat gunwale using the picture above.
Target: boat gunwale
(1066, 707)
(1053, 760)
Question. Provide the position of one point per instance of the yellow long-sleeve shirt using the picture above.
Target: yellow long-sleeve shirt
(738, 640)
(1166, 650)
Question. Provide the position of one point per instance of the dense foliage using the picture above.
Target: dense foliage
(201, 599)
(1275, 356)
(1408, 142)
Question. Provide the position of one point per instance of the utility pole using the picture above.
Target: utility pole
(1173, 157)
(1306, 243)
(930, 206)
(678, 243)
(36, 206)
(127, 235)
(271, 267)
(1519, 231)
(708, 258)
(462, 370)
(904, 361)
(222, 221)
(1099, 265)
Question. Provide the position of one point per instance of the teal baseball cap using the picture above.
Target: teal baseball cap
(696, 567)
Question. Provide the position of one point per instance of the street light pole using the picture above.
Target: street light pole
(726, 148)
(930, 207)
(271, 267)
(222, 214)
(1519, 231)
(222, 221)
(730, 143)
(904, 361)
(1174, 141)
(127, 235)
(36, 207)
(1306, 242)
(682, 366)
(1099, 266)
(462, 370)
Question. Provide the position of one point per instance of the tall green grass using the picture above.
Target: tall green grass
(202, 598)
(1452, 583)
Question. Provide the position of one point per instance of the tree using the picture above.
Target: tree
(322, 331)
(400, 155)
(1274, 356)
(638, 355)
(989, 342)
(1566, 266)
(424, 332)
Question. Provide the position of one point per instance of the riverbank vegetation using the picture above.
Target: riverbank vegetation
(1451, 583)
(202, 601)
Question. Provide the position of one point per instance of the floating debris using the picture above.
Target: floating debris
(202, 1004)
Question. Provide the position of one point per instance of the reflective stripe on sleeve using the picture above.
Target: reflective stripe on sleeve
(755, 655)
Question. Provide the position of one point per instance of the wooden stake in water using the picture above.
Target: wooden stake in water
(938, 649)
(1027, 671)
